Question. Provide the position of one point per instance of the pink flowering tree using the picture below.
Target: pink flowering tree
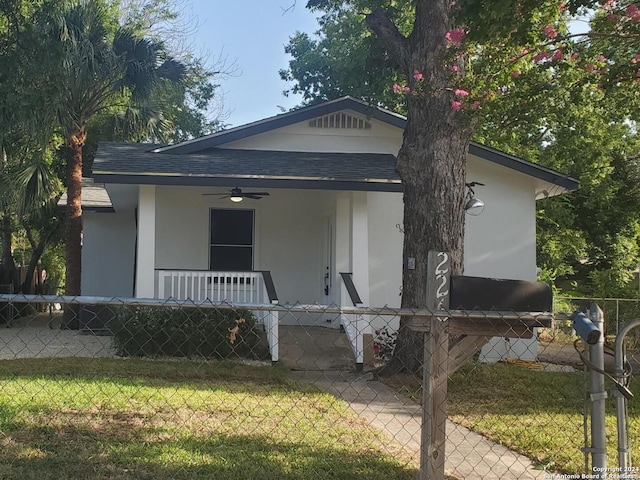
(459, 58)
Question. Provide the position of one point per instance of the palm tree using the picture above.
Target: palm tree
(106, 68)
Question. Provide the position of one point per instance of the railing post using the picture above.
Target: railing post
(161, 284)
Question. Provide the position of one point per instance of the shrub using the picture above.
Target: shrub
(187, 332)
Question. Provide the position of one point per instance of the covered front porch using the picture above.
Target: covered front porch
(292, 247)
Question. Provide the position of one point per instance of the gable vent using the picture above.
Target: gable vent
(340, 120)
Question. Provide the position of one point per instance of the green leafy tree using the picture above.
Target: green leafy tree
(27, 182)
(459, 61)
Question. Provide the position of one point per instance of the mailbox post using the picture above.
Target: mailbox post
(505, 297)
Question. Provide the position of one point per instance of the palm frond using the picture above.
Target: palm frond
(37, 184)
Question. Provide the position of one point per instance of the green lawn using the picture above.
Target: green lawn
(537, 413)
(142, 419)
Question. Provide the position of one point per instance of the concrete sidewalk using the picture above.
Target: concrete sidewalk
(469, 456)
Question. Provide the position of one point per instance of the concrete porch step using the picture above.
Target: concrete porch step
(314, 348)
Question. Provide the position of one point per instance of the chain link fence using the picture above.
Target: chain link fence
(134, 389)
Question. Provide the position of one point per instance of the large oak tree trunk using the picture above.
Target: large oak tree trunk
(73, 226)
(431, 162)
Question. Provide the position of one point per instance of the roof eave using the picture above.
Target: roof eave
(369, 185)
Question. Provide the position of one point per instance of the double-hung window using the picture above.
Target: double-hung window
(231, 240)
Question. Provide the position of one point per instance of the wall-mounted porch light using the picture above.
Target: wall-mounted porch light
(474, 206)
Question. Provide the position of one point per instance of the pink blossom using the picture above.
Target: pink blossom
(524, 51)
(515, 73)
(575, 56)
(475, 105)
(455, 36)
(550, 32)
(456, 105)
(608, 5)
(633, 12)
(612, 17)
(455, 68)
(417, 76)
(562, 7)
(557, 55)
(460, 93)
(541, 56)
(638, 73)
(590, 67)
(636, 58)
(602, 58)
(400, 89)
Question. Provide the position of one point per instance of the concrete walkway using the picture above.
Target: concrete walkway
(469, 456)
(322, 356)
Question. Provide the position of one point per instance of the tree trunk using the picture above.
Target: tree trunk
(8, 270)
(37, 249)
(431, 164)
(73, 224)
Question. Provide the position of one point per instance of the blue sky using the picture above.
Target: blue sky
(252, 33)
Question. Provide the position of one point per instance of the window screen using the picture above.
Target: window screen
(231, 240)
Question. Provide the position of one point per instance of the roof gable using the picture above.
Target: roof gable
(314, 112)
(325, 115)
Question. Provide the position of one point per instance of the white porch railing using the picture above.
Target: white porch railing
(199, 285)
(245, 288)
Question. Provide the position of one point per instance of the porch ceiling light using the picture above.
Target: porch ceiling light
(474, 206)
(236, 198)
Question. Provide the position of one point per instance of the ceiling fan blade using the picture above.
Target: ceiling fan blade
(262, 194)
(252, 196)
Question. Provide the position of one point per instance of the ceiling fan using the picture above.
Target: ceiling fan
(237, 195)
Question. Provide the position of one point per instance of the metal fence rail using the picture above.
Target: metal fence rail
(149, 388)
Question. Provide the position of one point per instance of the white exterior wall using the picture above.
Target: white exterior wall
(289, 235)
(385, 248)
(499, 243)
(108, 253)
(380, 138)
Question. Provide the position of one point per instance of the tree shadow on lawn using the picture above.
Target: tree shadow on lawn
(157, 373)
(122, 449)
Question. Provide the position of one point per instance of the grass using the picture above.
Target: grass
(536, 413)
(143, 419)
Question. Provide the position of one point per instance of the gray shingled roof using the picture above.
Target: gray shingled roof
(94, 197)
(137, 163)
(205, 161)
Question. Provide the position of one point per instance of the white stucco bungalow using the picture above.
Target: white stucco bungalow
(163, 222)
